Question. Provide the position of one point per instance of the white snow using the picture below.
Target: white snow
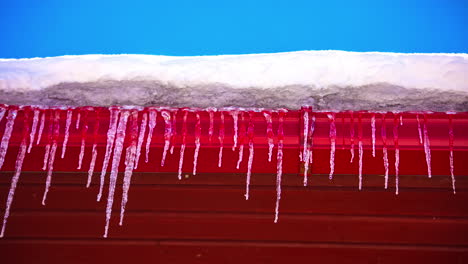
(336, 80)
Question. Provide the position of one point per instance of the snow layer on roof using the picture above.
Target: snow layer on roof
(335, 80)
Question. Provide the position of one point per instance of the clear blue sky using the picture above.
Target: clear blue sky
(205, 27)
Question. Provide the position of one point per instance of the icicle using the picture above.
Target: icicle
(129, 162)
(41, 128)
(119, 140)
(174, 131)
(269, 133)
(34, 128)
(451, 139)
(49, 141)
(7, 134)
(242, 138)
(211, 128)
(305, 153)
(361, 151)
(331, 116)
(221, 139)
(92, 164)
(427, 147)
(67, 132)
(397, 153)
(152, 124)
(18, 167)
(311, 139)
(53, 149)
(250, 134)
(401, 120)
(2, 112)
(351, 135)
(113, 119)
(78, 118)
(182, 146)
(167, 134)
(373, 134)
(279, 165)
(383, 133)
(197, 143)
(141, 137)
(419, 129)
(84, 130)
(235, 117)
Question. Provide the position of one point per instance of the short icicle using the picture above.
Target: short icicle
(419, 129)
(173, 131)
(78, 119)
(211, 127)
(167, 134)
(2, 112)
(310, 139)
(279, 164)
(12, 113)
(383, 134)
(153, 114)
(361, 151)
(451, 139)
(427, 147)
(269, 133)
(250, 135)
(197, 143)
(33, 129)
(119, 141)
(397, 153)
(221, 139)
(114, 118)
(243, 133)
(235, 118)
(141, 137)
(305, 153)
(92, 163)
(373, 134)
(401, 120)
(67, 132)
(18, 167)
(332, 135)
(84, 131)
(351, 136)
(41, 127)
(182, 146)
(53, 150)
(130, 153)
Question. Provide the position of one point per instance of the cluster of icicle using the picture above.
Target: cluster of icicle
(123, 119)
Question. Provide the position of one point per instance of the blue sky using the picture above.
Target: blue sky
(207, 27)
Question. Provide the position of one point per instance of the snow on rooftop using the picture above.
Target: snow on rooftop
(326, 80)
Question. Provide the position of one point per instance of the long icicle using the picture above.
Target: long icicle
(235, 118)
(141, 137)
(67, 132)
(269, 133)
(49, 140)
(383, 134)
(84, 131)
(397, 154)
(451, 139)
(119, 141)
(174, 130)
(305, 153)
(279, 164)
(114, 118)
(18, 167)
(167, 134)
(197, 143)
(373, 134)
(33, 129)
(311, 139)
(41, 127)
(92, 164)
(250, 135)
(351, 136)
(221, 139)
(419, 130)
(332, 135)
(427, 147)
(131, 152)
(243, 133)
(53, 150)
(153, 114)
(12, 113)
(361, 151)
(182, 146)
